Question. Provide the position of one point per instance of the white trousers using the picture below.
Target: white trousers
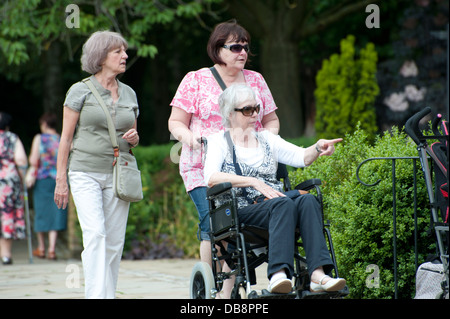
(103, 219)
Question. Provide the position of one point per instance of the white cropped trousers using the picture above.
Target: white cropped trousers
(103, 219)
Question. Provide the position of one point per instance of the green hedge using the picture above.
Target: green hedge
(361, 216)
(164, 223)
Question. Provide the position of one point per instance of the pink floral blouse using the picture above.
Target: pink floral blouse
(198, 94)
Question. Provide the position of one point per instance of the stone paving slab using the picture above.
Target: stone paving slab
(63, 279)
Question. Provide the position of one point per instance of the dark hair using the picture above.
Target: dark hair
(5, 120)
(220, 35)
(50, 119)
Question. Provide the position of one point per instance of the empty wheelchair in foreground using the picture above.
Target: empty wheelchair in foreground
(247, 248)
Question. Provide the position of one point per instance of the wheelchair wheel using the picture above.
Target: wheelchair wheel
(202, 281)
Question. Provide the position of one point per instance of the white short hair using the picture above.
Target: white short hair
(97, 47)
(231, 98)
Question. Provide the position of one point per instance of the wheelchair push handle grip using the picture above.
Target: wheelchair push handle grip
(435, 124)
(412, 125)
(202, 140)
(204, 147)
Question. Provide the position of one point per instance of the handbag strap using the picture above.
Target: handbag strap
(111, 127)
(237, 168)
(218, 78)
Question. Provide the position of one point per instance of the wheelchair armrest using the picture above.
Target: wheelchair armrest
(310, 183)
(218, 189)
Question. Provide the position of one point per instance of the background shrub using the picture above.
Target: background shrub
(361, 216)
(164, 223)
(346, 91)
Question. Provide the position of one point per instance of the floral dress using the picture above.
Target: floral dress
(12, 222)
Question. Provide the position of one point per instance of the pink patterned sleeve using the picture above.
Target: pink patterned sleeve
(258, 83)
(186, 96)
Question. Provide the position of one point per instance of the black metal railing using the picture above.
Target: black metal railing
(394, 206)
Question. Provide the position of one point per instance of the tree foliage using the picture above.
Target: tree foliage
(41, 54)
(29, 27)
(278, 26)
(415, 75)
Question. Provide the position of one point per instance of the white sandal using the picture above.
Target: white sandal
(280, 286)
(334, 284)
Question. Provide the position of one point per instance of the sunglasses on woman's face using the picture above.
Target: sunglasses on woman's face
(249, 110)
(236, 48)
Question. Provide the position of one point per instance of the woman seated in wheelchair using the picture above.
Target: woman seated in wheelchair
(256, 156)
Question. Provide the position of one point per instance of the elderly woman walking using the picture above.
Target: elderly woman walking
(102, 215)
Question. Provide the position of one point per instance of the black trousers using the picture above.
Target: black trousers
(281, 216)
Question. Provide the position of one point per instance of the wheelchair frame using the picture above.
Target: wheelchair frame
(244, 257)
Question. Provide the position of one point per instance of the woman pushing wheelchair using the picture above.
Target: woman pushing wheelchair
(248, 159)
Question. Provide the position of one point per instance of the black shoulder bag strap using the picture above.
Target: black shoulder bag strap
(237, 168)
(218, 78)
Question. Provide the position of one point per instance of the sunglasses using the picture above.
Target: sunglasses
(249, 110)
(236, 48)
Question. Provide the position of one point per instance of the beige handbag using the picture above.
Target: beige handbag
(127, 183)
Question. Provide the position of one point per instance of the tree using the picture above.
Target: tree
(416, 75)
(45, 33)
(167, 38)
(281, 25)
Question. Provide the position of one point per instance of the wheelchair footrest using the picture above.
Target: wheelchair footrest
(265, 294)
(306, 294)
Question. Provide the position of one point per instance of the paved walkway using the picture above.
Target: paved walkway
(63, 279)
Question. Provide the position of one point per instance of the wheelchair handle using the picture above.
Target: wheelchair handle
(435, 124)
(412, 125)
(202, 140)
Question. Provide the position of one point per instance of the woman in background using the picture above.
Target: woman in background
(13, 163)
(41, 174)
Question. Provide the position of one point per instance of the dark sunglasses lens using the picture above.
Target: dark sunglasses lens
(237, 48)
(248, 110)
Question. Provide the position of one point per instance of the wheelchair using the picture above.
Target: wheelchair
(248, 248)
